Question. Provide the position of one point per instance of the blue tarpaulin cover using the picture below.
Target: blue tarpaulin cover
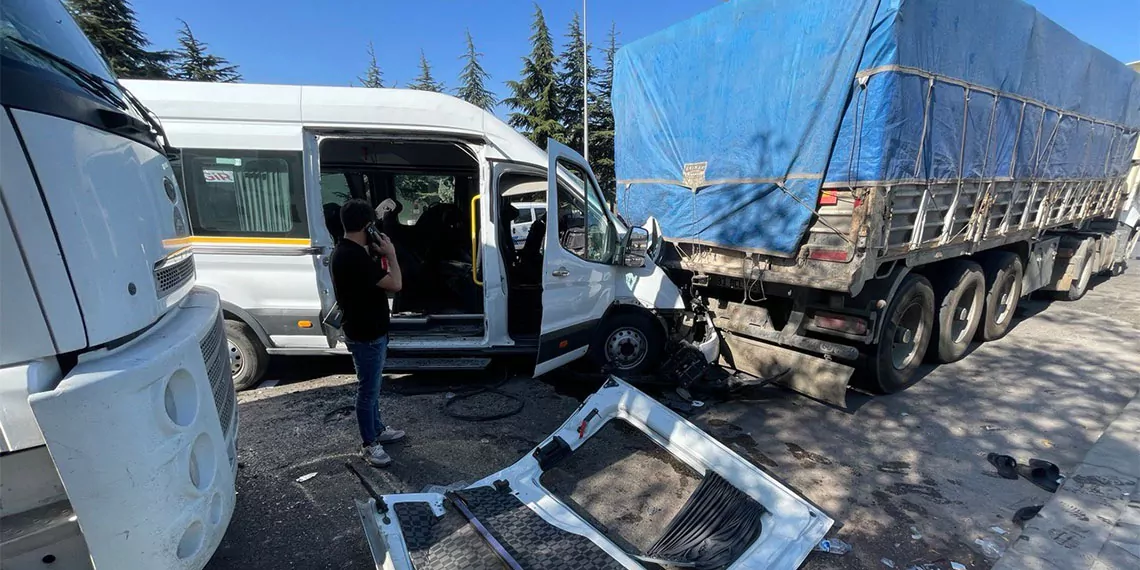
(728, 124)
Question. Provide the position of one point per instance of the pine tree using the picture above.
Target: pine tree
(372, 77)
(472, 79)
(192, 63)
(425, 81)
(112, 26)
(534, 97)
(570, 83)
(602, 120)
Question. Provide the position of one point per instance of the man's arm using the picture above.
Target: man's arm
(393, 281)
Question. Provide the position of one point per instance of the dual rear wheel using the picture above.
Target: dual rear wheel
(970, 301)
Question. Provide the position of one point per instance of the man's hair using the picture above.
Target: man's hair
(356, 214)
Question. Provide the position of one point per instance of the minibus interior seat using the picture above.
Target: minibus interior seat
(332, 221)
(507, 215)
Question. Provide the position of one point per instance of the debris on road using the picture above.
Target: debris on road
(914, 534)
(306, 477)
(990, 549)
(833, 546)
(999, 530)
(887, 562)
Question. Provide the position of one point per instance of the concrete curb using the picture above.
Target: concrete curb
(1093, 521)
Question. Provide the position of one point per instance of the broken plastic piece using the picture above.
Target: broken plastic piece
(306, 477)
(887, 562)
(833, 546)
(914, 534)
(989, 548)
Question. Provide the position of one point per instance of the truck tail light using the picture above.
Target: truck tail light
(828, 198)
(841, 255)
(841, 323)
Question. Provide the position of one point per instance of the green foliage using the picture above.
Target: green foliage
(372, 77)
(472, 80)
(574, 59)
(534, 96)
(112, 26)
(193, 63)
(602, 120)
(425, 81)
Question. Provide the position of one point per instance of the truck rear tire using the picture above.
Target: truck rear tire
(960, 296)
(1003, 272)
(630, 343)
(248, 358)
(1080, 285)
(904, 336)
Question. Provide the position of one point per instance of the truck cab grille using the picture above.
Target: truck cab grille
(217, 361)
(172, 273)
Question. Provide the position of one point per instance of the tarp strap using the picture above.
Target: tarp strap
(866, 73)
(815, 214)
(948, 220)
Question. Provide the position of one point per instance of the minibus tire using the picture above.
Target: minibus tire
(637, 330)
(242, 343)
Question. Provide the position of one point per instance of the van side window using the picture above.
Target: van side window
(244, 193)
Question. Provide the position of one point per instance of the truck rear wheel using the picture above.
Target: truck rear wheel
(960, 296)
(1080, 285)
(904, 336)
(248, 358)
(1003, 272)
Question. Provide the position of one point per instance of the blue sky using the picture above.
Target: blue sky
(324, 42)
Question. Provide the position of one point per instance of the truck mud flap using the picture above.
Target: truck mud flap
(813, 376)
(739, 517)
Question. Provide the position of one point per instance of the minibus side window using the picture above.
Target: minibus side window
(244, 193)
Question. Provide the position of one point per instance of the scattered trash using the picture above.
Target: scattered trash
(833, 546)
(999, 530)
(989, 548)
(1026, 513)
(914, 534)
(306, 477)
(697, 404)
(904, 414)
(993, 428)
(1046, 443)
(957, 566)
(484, 440)
(887, 562)
(1006, 465)
(449, 395)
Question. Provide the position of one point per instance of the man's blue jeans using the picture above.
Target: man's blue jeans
(368, 358)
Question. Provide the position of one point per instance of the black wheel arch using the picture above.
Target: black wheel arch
(232, 312)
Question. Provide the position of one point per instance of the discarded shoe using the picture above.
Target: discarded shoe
(1006, 466)
(1041, 473)
(1026, 513)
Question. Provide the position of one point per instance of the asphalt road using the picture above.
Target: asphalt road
(905, 474)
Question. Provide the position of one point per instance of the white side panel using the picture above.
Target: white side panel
(137, 442)
(17, 423)
(24, 334)
(649, 287)
(420, 111)
(260, 281)
(30, 223)
(230, 135)
(106, 199)
(185, 99)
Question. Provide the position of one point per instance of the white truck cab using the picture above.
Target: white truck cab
(265, 169)
(117, 410)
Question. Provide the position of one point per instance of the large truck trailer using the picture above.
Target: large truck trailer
(862, 186)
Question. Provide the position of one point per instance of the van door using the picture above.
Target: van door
(582, 245)
(322, 243)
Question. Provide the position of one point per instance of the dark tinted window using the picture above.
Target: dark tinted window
(244, 193)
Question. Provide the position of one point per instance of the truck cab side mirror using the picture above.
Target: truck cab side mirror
(636, 247)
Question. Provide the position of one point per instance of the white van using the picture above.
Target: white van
(266, 167)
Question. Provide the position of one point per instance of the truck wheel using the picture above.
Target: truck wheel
(248, 358)
(628, 343)
(960, 294)
(1080, 285)
(904, 336)
(1003, 291)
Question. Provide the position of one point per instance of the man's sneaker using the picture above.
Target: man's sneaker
(390, 435)
(375, 455)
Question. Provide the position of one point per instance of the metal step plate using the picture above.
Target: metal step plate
(420, 364)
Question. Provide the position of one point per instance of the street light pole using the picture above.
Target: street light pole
(585, 88)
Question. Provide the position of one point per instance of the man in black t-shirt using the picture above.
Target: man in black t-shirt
(361, 285)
